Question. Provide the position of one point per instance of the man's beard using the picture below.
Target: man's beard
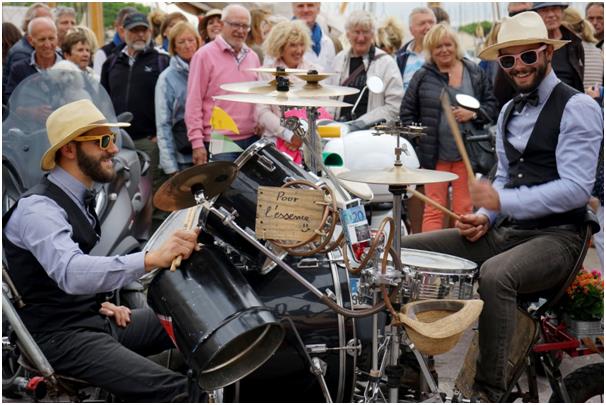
(92, 167)
(541, 72)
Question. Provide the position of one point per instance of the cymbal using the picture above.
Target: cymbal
(398, 176)
(323, 90)
(281, 99)
(274, 71)
(213, 178)
(298, 90)
(313, 77)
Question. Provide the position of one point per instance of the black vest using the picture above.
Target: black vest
(47, 307)
(537, 163)
(109, 48)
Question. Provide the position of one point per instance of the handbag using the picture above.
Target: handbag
(482, 154)
(182, 143)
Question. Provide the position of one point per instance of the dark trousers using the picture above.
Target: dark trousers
(115, 361)
(512, 261)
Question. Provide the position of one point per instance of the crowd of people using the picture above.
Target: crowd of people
(543, 61)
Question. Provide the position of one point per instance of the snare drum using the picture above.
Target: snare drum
(261, 164)
(438, 275)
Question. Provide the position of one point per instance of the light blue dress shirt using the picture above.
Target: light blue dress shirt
(39, 225)
(581, 130)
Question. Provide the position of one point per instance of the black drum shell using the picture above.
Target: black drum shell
(216, 315)
(285, 377)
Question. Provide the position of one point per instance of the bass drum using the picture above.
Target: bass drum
(286, 376)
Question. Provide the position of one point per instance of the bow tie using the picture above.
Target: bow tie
(520, 100)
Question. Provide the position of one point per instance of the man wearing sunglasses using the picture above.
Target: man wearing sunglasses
(526, 233)
(47, 237)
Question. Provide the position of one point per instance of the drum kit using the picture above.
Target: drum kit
(258, 321)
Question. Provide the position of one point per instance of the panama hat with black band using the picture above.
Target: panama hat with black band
(68, 122)
(526, 28)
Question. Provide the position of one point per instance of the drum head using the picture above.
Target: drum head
(436, 262)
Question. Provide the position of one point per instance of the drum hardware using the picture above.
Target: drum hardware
(318, 368)
(321, 348)
(227, 218)
(308, 263)
(266, 163)
(291, 100)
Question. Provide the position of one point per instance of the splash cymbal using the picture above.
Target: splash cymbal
(213, 178)
(323, 90)
(281, 99)
(313, 77)
(398, 176)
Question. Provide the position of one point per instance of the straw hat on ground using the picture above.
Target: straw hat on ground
(522, 29)
(435, 326)
(70, 121)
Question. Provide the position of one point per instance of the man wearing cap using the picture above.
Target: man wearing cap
(569, 61)
(526, 235)
(47, 237)
(117, 41)
(227, 59)
(130, 75)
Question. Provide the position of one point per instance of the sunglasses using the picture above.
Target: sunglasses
(104, 140)
(527, 57)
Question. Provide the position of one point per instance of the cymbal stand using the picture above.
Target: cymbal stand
(314, 140)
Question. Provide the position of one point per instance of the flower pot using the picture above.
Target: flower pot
(581, 329)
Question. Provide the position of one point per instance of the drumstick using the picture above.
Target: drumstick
(456, 133)
(187, 225)
(428, 200)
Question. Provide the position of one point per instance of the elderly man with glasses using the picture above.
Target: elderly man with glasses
(526, 233)
(226, 59)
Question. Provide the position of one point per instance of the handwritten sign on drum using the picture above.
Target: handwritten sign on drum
(288, 213)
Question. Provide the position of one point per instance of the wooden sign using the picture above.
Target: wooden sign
(288, 213)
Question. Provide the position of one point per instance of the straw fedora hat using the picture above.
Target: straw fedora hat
(435, 326)
(69, 121)
(522, 29)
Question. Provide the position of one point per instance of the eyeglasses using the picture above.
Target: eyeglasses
(104, 140)
(527, 57)
(238, 26)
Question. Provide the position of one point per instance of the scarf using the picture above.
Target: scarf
(316, 37)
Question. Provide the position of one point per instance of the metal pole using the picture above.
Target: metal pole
(314, 140)
(28, 344)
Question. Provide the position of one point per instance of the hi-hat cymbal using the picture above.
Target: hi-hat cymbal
(213, 178)
(298, 90)
(398, 176)
(281, 99)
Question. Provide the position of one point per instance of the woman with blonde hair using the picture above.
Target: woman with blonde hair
(171, 91)
(445, 70)
(390, 36)
(286, 44)
(594, 59)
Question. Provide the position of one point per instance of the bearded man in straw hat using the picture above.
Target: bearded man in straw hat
(47, 237)
(526, 234)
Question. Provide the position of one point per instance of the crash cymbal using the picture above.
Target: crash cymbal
(277, 72)
(213, 178)
(281, 99)
(398, 176)
(323, 90)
